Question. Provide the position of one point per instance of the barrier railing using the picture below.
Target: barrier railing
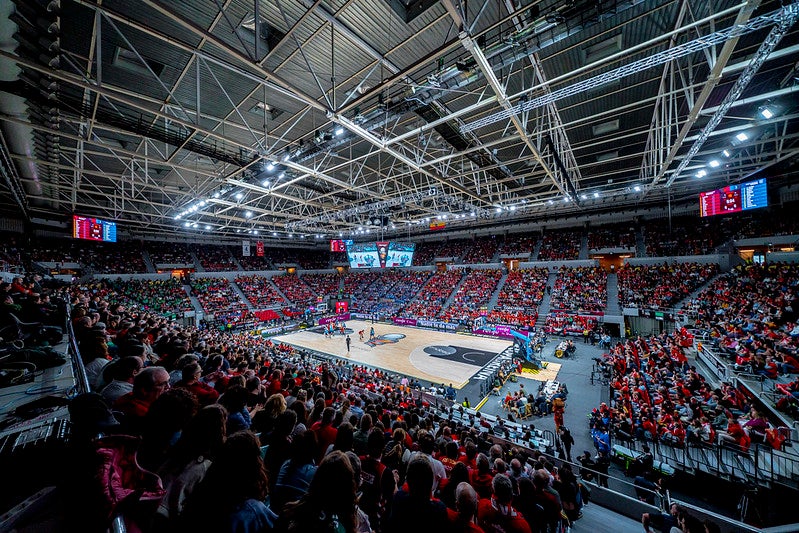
(81, 378)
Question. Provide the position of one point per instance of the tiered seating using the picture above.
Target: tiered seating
(165, 297)
(481, 250)
(560, 245)
(217, 296)
(452, 248)
(766, 223)
(689, 236)
(323, 284)
(358, 283)
(617, 236)
(113, 258)
(520, 297)
(568, 324)
(474, 293)
(307, 259)
(55, 251)
(390, 292)
(11, 257)
(259, 291)
(517, 244)
(216, 258)
(424, 254)
(745, 314)
(295, 290)
(162, 253)
(661, 286)
(428, 303)
(254, 262)
(580, 289)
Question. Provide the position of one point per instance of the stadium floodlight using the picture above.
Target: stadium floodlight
(766, 112)
(207, 227)
(239, 196)
(701, 174)
(714, 163)
(726, 153)
(270, 167)
(596, 195)
(742, 136)
(266, 183)
(339, 131)
(637, 188)
(248, 214)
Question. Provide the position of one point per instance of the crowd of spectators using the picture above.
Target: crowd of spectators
(686, 236)
(616, 236)
(295, 289)
(359, 283)
(569, 324)
(164, 297)
(49, 250)
(113, 258)
(777, 220)
(428, 302)
(517, 245)
(520, 297)
(259, 291)
(306, 259)
(659, 396)
(751, 316)
(472, 296)
(169, 253)
(480, 250)
(580, 289)
(11, 252)
(216, 258)
(560, 245)
(218, 297)
(254, 263)
(248, 435)
(661, 286)
(424, 253)
(390, 292)
(323, 285)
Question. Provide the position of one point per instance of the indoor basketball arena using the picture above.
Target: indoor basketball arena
(371, 266)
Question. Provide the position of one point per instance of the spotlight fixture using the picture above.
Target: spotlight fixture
(266, 183)
(766, 112)
(637, 188)
(726, 153)
(742, 136)
(207, 227)
(596, 195)
(270, 166)
(714, 163)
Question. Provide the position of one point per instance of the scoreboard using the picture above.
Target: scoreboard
(93, 229)
(734, 198)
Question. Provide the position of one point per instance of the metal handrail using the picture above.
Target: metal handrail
(81, 378)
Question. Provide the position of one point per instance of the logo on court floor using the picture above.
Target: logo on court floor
(388, 338)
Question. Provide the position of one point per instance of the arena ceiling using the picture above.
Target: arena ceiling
(320, 118)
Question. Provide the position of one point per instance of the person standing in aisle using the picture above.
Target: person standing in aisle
(348, 343)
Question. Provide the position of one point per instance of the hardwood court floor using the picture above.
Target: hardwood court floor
(407, 354)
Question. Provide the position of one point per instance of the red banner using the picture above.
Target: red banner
(259, 249)
(437, 225)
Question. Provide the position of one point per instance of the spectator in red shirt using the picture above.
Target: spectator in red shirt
(191, 382)
(463, 520)
(148, 385)
(497, 513)
(325, 432)
(481, 478)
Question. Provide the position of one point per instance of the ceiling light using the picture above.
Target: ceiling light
(187, 224)
(726, 153)
(194, 225)
(266, 183)
(216, 194)
(714, 163)
(766, 113)
(566, 199)
(637, 188)
(742, 136)
(339, 131)
(255, 231)
(177, 217)
(248, 214)
(274, 234)
(499, 209)
(202, 203)
(302, 236)
(270, 166)
(701, 174)
(207, 226)
(239, 196)
(281, 176)
(583, 197)
(291, 235)
(550, 202)
(286, 156)
(596, 195)
(340, 234)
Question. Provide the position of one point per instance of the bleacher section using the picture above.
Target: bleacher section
(428, 302)
(616, 236)
(324, 285)
(164, 297)
(480, 250)
(521, 245)
(661, 286)
(473, 294)
(582, 289)
(215, 258)
(259, 291)
(520, 297)
(688, 236)
(295, 289)
(390, 292)
(560, 245)
(217, 297)
(169, 253)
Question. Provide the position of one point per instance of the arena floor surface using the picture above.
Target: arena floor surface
(434, 356)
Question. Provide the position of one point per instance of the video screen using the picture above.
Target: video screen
(734, 198)
(93, 229)
(383, 254)
(339, 245)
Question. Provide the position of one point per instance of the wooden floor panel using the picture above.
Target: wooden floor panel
(406, 356)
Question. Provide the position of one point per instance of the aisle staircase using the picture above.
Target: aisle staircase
(640, 245)
(277, 289)
(196, 260)
(236, 262)
(537, 249)
(583, 247)
(148, 262)
(612, 307)
(546, 302)
(241, 294)
(451, 297)
(198, 308)
(495, 296)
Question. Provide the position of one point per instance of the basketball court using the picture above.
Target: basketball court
(434, 356)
